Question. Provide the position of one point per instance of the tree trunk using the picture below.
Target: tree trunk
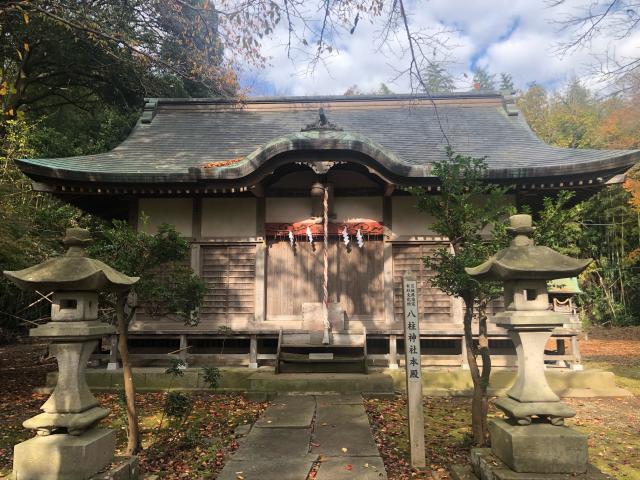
(480, 403)
(133, 429)
(483, 350)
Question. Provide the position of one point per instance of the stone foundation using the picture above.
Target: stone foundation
(64, 457)
(435, 382)
(486, 466)
(539, 448)
(123, 468)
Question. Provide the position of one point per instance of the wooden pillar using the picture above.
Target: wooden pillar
(113, 353)
(183, 349)
(393, 352)
(576, 364)
(464, 357)
(196, 219)
(195, 258)
(457, 310)
(196, 233)
(253, 351)
(134, 213)
(413, 368)
(387, 252)
(261, 264)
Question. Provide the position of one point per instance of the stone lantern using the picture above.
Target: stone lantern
(533, 438)
(67, 445)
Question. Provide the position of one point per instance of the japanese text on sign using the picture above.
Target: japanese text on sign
(411, 329)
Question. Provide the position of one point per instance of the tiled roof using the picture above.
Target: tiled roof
(176, 138)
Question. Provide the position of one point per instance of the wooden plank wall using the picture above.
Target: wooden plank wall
(434, 305)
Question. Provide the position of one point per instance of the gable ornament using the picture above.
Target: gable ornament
(322, 123)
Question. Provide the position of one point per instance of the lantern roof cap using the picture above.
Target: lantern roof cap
(523, 260)
(72, 271)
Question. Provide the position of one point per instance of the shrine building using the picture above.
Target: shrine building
(255, 185)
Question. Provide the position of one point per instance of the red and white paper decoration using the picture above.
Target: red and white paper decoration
(345, 236)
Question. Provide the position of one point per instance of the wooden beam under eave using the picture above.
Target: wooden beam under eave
(42, 187)
(257, 190)
(389, 189)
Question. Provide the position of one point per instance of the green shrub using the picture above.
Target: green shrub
(177, 405)
(212, 377)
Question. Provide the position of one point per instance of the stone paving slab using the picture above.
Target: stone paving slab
(350, 468)
(268, 469)
(341, 427)
(274, 443)
(347, 399)
(277, 448)
(288, 411)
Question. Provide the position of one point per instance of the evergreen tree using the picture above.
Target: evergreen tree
(384, 90)
(483, 80)
(506, 82)
(437, 79)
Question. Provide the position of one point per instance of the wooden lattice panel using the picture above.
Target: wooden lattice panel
(229, 273)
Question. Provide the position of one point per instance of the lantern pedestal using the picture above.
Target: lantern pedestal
(67, 445)
(63, 456)
(530, 396)
(533, 439)
(539, 448)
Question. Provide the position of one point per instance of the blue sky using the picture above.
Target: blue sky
(513, 36)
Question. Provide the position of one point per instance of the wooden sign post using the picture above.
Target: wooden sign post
(413, 369)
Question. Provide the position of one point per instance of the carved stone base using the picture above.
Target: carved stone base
(485, 466)
(522, 412)
(73, 423)
(539, 448)
(64, 457)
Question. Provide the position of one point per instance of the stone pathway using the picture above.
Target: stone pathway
(296, 432)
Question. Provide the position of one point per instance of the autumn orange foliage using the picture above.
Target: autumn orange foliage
(223, 163)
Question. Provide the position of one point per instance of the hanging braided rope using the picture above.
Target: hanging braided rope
(325, 280)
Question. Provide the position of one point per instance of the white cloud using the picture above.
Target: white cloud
(514, 36)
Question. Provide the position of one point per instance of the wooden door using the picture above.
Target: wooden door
(361, 281)
(294, 277)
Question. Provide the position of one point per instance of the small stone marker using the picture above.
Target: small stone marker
(413, 369)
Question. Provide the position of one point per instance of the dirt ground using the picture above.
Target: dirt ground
(613, 424)
(196, 447)
(193, 447)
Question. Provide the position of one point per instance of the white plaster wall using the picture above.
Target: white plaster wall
(229, 217)
(358, 209)
(289, 210)
(174, 211)
(407, 220)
